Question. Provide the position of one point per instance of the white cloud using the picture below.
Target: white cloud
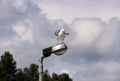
(107, 71)
(7, 43)
(93, 32)
(65, 71)
(110, 39)
(80, 8)
(87, 30)
(5, 10)
(25, 31)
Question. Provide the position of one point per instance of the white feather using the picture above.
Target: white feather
(61, 34)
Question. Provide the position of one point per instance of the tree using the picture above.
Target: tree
(31, 73)
(55, 77)
(9, 72)
(64, 77)
(20, 75)
(34, 71)
(7, 67)
(28, 73)
(46, 76)
(61, 77)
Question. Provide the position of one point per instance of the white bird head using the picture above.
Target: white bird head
(64, 31)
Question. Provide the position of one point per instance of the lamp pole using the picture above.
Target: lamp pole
(41, 69)
(58, 49)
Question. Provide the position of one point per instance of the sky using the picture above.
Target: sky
(28, 26)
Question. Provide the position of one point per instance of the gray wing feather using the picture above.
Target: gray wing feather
(56, 33)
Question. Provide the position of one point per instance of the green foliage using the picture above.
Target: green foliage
(64, 77)
(20, 75)
(61, 77)
(55, 77)
(31, 73)
(9, 72)
(46, 76)
(7, 67)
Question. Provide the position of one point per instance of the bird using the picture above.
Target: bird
(61, 34)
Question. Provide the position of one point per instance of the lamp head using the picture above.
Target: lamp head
(58, 49)
(47, 52)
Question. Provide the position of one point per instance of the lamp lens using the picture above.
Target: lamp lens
(59, 49)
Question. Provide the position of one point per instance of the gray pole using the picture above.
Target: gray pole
(41, 69)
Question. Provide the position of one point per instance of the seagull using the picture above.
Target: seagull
(61, 34)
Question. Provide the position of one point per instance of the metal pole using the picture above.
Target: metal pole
(41, 69)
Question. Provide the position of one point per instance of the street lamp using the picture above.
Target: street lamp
(59, 49)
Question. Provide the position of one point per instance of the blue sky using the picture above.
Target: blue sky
(28, 26)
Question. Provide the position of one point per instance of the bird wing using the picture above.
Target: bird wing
(56, 33)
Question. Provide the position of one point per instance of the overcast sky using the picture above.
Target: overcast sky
(28, 26)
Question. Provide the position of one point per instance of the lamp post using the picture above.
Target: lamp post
(59, 49)
(41, 69)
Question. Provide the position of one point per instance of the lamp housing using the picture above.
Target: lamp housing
(58, 49)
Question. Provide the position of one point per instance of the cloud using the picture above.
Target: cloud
(93, 44)
(23, 32)
(94, 37)
(107, 71)
(80, 8)
(87, 30)
(27, 31)
(93, 49)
